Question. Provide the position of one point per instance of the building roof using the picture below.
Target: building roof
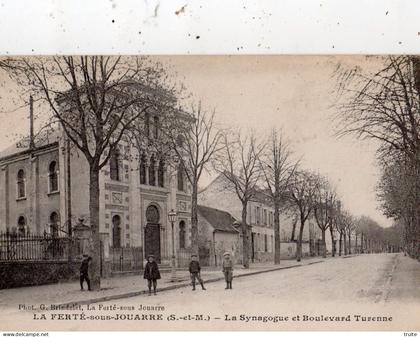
(43, 139)
(220, 220)
(259, 195)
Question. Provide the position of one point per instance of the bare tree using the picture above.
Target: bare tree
(94, 99)
(195, 140)
(239, 165)
(383, 105)
(349, 230)
(278, 168)
(302, 191)
(325, 199)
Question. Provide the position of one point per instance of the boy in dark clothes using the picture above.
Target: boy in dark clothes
(151, 274)
(84, 271)
(195, 271)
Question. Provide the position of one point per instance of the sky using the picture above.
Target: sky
(291, 93)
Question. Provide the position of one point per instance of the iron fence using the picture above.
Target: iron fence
(33, 247)
(126, 259)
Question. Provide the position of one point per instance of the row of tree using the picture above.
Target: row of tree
(384, 105)
(99, 101)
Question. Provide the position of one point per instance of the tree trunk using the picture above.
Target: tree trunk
(95, 266)
(324, 245)
(349, 243)
(340, 244)
(299, 242)
(276, 234)
(245, 237)
(194, 219)
(333, 243)
(355, 243)
(345, 242)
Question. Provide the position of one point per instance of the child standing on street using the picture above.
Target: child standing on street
(84, 271)
(195, 270)
(228, 270)
(151, 274)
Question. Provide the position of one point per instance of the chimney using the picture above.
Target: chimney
(31, 123)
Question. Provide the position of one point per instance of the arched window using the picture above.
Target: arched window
(152, 173)
(54, 224)
(116, 231)
(161, 173)
(21, 225)
(180, 176)
(147, 124)
(152, 214)
(53, 177)
(180, 140)
(21, 184)
(114, 165)
(143, 169)
(156, 127)
(182, 234)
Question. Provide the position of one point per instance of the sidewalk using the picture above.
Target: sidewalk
(126, 286)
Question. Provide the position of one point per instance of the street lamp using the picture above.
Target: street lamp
(172, 216)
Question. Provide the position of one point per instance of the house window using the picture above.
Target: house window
(182, 234)
(265, 217)
(114, 165)
(116, 231)
(156, 127)
(161, 173)
(143, 169)
(21, 184)
(180, 176)
(21, 225)
(53, 177)
(54, 224)
(152, 171)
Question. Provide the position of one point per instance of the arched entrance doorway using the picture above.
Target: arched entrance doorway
(152, 233)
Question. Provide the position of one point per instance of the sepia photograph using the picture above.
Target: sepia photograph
(210, 192)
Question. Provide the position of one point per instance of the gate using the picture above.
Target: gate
(126, 259)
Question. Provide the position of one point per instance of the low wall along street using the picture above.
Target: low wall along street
(28, 273)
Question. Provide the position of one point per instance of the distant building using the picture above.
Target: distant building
(260, 216)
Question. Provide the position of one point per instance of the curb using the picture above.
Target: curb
(175, 286)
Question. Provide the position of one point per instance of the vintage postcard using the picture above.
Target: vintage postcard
(209, 193)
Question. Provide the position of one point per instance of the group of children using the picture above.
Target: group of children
(152, 274)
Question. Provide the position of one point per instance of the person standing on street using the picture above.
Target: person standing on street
(151, 274)
(195, 271)
(228, 270)
(84, 271)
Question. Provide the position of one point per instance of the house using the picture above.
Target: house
(260, 216)
(217, 234)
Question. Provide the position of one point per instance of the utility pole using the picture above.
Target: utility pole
(31, 123)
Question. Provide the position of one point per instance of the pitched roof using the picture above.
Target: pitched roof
(220, 220)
